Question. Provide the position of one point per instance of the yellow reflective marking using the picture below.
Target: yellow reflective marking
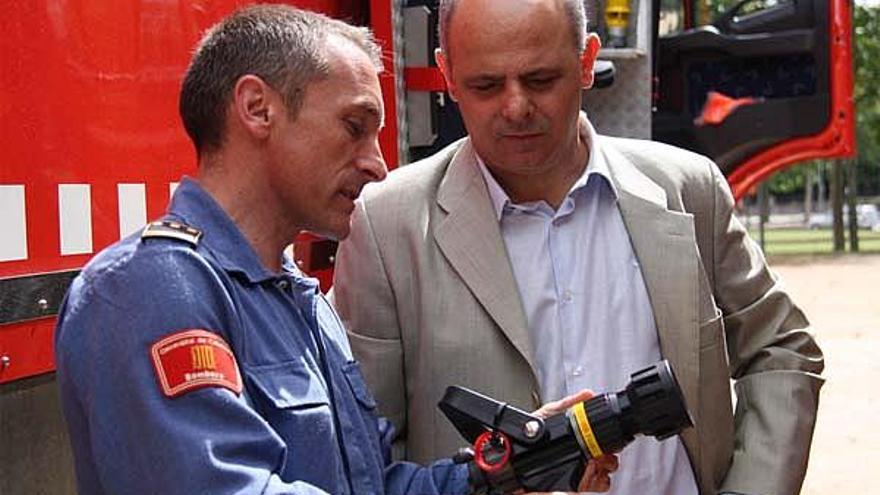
(580, 414)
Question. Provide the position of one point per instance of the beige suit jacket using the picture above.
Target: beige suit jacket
(425, 287)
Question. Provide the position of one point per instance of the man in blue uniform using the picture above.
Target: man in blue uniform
(194, 357)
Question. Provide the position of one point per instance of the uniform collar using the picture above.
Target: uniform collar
(194, 206)
(596, 165)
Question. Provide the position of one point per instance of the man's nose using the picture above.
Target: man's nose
(517, 105)
(372, 163)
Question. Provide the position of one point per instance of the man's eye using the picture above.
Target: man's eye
(355, 129)
(541, 82)
(483, 87)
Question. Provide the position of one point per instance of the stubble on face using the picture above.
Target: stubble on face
(326, 155)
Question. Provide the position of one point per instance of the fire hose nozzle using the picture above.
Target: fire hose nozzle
(514, 450)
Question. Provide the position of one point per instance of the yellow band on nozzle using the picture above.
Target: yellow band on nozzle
(580, 415)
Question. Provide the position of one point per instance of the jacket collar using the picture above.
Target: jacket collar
(663, 241)
(596, 165)
(194, 206)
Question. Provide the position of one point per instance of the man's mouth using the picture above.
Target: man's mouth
(521, 134)
(521, 138)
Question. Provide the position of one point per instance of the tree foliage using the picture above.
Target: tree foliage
(866, 54)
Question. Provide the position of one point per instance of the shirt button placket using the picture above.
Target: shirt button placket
(567, 296)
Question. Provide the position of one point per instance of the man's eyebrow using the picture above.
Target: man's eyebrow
(483, 78)
(373, 110)
(542, 72)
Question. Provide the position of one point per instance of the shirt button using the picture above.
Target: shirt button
(567, 296)
(578, 371)
(282, 284)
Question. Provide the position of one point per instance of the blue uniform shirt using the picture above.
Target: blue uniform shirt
(304, 422)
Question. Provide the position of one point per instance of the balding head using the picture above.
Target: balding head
(574, 13)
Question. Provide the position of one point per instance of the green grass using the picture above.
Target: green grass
(804, 241)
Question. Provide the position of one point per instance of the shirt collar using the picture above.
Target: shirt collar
(195, 207)
(596, 165)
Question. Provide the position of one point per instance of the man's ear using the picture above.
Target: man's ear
(588, 59)
(443, 65)
(254, 105)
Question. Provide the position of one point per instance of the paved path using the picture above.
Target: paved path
(841, 296)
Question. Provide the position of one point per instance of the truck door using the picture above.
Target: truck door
(767, 84)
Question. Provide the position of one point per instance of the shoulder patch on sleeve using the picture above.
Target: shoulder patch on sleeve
(193, 359)
(173, 230)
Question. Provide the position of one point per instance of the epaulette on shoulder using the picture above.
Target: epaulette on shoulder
(172, 230)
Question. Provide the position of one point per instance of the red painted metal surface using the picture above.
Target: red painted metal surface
(837, 140)
(302, 243)
(28, 346)
(88, 95)
(424, 79)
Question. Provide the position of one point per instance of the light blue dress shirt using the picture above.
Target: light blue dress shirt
(588, 310)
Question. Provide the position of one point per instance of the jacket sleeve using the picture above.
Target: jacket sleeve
(438, 478)
(363, 297)
(773, 359)
(127, 435)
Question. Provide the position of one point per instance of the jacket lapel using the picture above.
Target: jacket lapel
(663, 242)
(470, 238)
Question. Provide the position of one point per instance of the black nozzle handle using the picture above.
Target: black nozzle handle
(473, 413)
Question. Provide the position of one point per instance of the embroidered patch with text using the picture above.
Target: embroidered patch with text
(193, 359)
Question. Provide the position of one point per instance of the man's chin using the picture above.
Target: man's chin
(334, 232)
(521, 165)
(339, 236)
(518, 157)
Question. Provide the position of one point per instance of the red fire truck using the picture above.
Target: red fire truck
(92, 147)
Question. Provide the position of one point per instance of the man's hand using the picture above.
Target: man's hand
(597, 477)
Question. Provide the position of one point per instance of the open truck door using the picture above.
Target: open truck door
(767, 85)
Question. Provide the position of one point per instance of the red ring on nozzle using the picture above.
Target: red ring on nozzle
(478, 452)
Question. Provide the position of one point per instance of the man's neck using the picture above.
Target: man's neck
(551, 187)
(235, 191)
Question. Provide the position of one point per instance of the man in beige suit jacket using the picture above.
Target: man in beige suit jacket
(425, 285)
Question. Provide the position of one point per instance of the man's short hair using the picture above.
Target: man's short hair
(282, 45)
(574, 10)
